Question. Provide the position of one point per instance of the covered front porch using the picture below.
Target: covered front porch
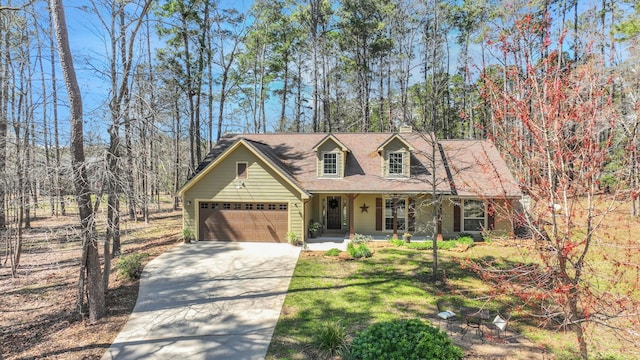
(382, 216)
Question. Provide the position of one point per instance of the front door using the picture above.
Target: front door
(334, 221)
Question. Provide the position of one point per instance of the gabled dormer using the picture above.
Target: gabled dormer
(331, 157)
(395, 157)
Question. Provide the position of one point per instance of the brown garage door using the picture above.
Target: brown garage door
(267, 222)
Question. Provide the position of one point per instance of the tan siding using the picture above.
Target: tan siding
(262, 184)
(365, 222)
(503, 219)
(406, 167)
(330, 147)
(396, 146)
(424, 216)
(308, 217)
(296, 218)
(447, 219)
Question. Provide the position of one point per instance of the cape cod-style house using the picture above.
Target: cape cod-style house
(260, 187)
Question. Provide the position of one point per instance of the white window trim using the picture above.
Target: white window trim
(246, 170)
(463, 217)
(402, 163)
(337, 158)
(384, 215)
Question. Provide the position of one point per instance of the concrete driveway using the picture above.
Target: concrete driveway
(208, 300)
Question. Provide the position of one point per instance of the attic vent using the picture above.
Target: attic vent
(406, 129)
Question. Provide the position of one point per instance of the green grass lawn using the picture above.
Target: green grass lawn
(389, 285)
(393, 284)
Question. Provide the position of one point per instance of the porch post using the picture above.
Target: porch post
(394, 211)
(352, 230)
(439, 218)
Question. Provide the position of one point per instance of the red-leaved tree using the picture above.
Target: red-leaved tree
(552, 118)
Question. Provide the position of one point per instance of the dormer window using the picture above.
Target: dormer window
(395, 157)
(330, 164)
(396, 164)
(331, 157)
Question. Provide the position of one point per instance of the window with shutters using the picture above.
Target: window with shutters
(401, 214)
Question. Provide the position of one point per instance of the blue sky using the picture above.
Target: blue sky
(89, 48)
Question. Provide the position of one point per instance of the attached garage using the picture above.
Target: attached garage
(243, 221)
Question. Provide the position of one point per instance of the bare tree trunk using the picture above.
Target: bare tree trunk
(298, 118)
(176, 164)
(56, 138)
(94, 285)
(26, 174)
(131, 198)
(45, 125)
(315, 8)
(19, 163)
(282, 126)
(4, 107)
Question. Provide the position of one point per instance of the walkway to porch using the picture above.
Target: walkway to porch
(328, 240)
(334, 239)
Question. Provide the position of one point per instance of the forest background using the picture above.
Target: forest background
(162, 81)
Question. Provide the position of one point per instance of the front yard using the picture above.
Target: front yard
(395, 284)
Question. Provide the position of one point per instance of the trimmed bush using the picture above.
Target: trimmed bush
(404, 339)
(130, 266)
(358, 251)
(465, 240)
(332, 252)
(396, 242)
(330, 339)
(423, 245)
(442, 245)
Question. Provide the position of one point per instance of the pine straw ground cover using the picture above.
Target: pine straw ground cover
(38, 319)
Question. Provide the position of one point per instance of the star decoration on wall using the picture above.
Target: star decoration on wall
(364, 208)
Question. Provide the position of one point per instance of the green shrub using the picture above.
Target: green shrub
(423, 245)
(403, 339)
(293, 239)
(130, 266)
(359, 250)
(188, 235)
(465, 240)
(442, 245)
(396, 242)
(330, 339)
(360, 238)
(332, 252)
